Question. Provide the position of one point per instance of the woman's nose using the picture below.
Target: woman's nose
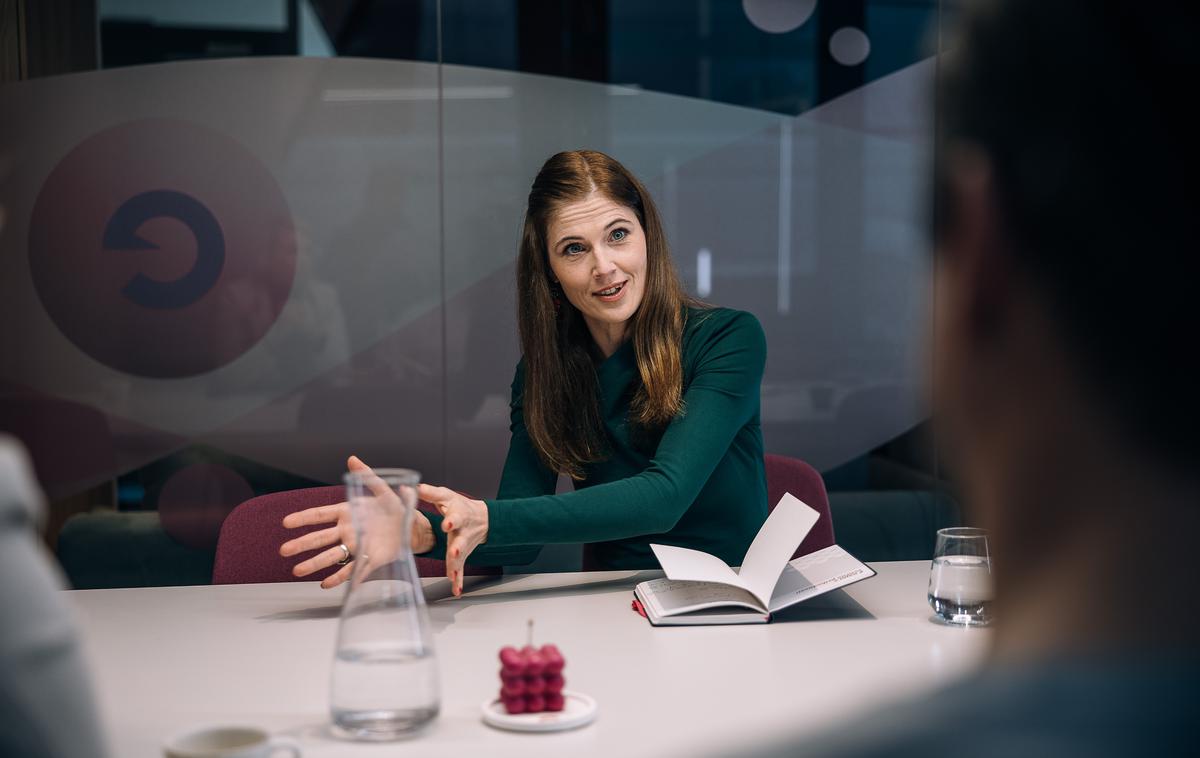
(602, 263)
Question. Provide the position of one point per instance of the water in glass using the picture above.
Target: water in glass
(960, 580)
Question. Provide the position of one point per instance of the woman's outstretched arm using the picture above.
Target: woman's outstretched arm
(721, 397)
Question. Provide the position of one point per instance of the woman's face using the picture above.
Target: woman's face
(598, 254)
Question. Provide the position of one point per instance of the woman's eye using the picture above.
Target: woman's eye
(573, 249)
(619, 234)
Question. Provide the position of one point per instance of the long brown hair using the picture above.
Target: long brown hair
(561, 403)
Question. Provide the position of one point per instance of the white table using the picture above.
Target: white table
(166, 659)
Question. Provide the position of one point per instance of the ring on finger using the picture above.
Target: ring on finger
(346, 557)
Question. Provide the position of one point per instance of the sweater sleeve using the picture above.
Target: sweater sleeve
(721, 397)
(525, 475)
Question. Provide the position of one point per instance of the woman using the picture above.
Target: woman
(647, 400)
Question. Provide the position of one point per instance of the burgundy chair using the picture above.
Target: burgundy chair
(793, 475)
(784, 474)
(248, 547)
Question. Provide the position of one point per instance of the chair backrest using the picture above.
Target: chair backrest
(785, 474)
(248, 548)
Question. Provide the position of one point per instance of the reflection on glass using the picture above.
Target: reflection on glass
(791, 186)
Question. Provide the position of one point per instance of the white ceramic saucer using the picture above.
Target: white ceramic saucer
(578, 710)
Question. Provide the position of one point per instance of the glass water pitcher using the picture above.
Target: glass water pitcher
(385, 674)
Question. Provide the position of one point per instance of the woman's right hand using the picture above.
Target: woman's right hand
(341, 532)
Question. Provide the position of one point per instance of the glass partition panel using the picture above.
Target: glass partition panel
(787, 146)
(265, 235)
(226, 271)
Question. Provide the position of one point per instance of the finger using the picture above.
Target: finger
(310, 541)
(321, 560)
(339, 577)
(452, 517)
(439, 496)
(455, 561)
(322, 514)
(450, 572)
(422, 534)
(377, 486)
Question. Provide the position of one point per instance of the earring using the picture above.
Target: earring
(556, 296)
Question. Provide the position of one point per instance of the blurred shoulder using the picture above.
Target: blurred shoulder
(20, 500)
(1102, 709)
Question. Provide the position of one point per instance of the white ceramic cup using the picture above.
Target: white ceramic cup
(228, 742)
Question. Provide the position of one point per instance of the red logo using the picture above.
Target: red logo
(162, 248)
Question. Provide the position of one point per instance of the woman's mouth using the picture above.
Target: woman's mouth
(612, 293)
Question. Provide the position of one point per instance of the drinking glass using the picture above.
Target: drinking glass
(960, 582)
(385, 675)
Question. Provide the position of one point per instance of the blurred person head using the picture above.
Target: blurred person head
(593, 270)
(1063, 327)
(1064, 393)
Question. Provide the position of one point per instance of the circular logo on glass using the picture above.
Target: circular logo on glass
(162, 248)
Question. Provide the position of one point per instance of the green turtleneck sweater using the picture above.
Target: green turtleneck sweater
(702, 486)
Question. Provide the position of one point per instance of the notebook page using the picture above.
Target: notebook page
(817, 573)
(772, 548)
(684, 564)
(671, 597)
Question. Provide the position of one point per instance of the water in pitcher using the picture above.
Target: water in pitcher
(383, 692)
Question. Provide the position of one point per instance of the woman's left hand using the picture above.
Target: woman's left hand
(465, 522)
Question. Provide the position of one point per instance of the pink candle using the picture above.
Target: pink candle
(531, 679)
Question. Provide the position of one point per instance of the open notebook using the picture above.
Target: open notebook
(701, 589)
